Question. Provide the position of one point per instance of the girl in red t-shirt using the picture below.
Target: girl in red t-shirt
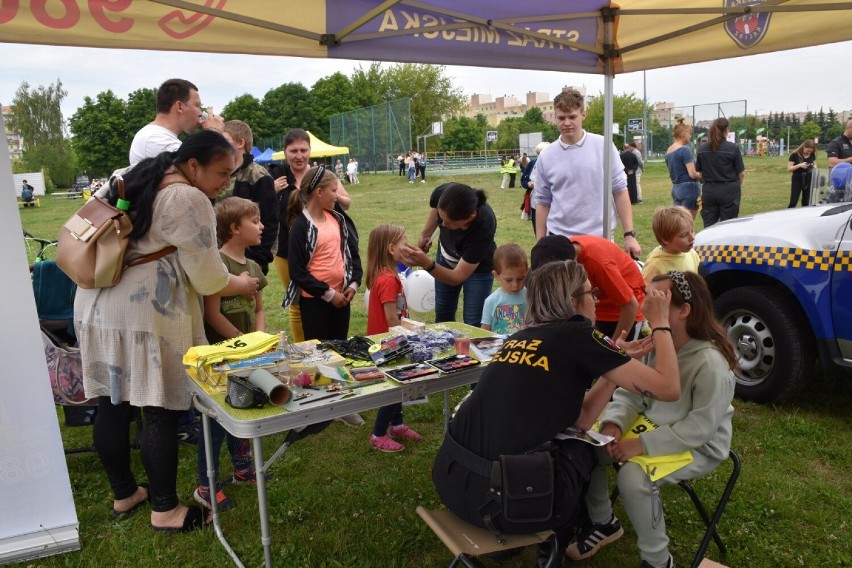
(385, 309)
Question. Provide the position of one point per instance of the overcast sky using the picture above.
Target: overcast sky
(790, 81)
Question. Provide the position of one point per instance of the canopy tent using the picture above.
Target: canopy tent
(264, 157)
(255, 151)
(584, 36)
(319, 149)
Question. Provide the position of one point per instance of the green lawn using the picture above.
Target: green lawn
(335, 502)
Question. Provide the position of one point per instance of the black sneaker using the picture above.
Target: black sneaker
(189, 433)
(592, 538)
(669, 563)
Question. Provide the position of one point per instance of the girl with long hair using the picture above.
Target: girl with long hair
(801, 163)
(699, 422)
(322, 254)
(288, 177)
(385, 309)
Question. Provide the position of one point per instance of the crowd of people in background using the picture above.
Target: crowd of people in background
(578, 286)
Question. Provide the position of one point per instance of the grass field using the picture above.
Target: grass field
(335, 502)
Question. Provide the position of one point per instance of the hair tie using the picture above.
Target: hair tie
(679, 279)
(315, 181)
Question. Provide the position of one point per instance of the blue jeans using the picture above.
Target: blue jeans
(476, 288)
(239, 448)
(686, 194)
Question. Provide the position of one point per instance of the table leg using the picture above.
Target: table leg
(265, 538)
(446, 410)
(211, 481)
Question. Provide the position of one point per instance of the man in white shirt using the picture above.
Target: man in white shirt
(178, 110)
(570, 185)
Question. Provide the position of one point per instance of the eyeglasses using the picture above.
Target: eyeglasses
(595, 292)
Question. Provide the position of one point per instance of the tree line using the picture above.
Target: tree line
(104, 126)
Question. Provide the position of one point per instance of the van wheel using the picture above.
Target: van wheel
(770, 338)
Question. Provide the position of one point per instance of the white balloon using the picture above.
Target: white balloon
(419, 289)
(367, 298)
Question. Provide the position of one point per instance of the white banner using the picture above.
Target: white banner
(37, 516)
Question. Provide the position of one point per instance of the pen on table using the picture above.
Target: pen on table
(319, 398)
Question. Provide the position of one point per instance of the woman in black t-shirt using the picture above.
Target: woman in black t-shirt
(721, 165)
(465, 250)
(802, 162)
(535, 387)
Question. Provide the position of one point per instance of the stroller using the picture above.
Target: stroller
(54, 295)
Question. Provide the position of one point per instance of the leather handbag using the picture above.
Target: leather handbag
(93, 242)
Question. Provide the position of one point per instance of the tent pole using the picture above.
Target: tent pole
(608, 113)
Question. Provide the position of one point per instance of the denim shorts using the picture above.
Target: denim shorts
(686, 194)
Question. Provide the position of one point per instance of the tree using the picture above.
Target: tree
(100, 134)
(249, 109)
(432, 93)
(368, 85)
(37, 116)
(624, 107)
(287, 107)
(329, 96)
(463, 134)
(809, 130)
(140, 109)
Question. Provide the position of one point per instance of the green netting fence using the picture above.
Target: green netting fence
(375, 135)
(700, 116)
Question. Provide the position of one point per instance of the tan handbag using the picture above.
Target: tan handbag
(92, 243)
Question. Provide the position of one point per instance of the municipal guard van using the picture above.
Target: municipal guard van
(782, 288)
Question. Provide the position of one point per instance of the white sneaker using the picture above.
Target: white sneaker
(351, 419)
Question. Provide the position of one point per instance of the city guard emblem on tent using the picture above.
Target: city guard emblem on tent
(748, 29)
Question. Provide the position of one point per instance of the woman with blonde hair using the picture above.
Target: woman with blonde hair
(801, 163)
(685, 187)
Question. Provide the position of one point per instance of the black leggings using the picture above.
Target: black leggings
(321, 320)
(159, 451)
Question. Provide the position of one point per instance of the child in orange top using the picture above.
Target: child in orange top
(325, 269)
(385, 309)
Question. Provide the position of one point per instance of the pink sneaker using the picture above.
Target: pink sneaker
(385, 444)
(403, 431)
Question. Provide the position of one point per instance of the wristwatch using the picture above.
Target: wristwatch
(629, 234)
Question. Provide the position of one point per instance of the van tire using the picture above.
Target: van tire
(770, 338)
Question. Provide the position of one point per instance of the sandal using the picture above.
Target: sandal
(122, 515)
(194, 520)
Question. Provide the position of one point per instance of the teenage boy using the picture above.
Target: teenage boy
(252, 181)
(570, 184)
